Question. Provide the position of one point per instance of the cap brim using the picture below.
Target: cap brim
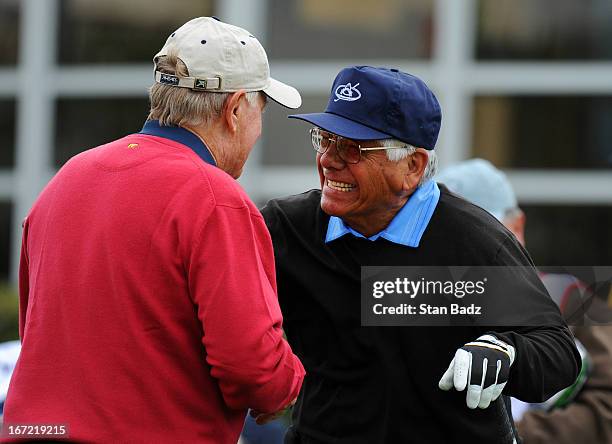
(283, 94)
(342, 126)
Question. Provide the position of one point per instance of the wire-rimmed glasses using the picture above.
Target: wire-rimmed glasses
(348, 150)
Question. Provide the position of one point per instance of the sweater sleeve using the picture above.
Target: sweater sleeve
(546, 360)
(24, 279)
(589, 417)
(232, 282)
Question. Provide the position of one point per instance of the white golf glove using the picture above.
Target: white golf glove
(483, 367)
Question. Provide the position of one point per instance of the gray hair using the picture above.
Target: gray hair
(172, 105)
(395, 155)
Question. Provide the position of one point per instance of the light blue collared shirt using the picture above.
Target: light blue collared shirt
(408, 225)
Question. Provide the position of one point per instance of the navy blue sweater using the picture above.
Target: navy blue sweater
(380, 384)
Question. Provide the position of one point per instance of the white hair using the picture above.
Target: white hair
(395, 155)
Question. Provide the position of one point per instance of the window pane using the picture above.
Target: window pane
(347, 29)
(544, 29)
(6, 212)
(7, 133)
(569, 235)
(286, 141)
(9, 24)
(82, 124)
(121, 31)
(544, 132)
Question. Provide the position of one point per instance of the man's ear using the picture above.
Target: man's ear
(516, 224)
(416, 164)
(231, 109)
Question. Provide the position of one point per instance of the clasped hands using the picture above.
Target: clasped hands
(264, 418)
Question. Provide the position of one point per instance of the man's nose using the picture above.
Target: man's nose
(331, 159)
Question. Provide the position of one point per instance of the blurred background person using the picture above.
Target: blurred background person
(9, 351)
(583, 412)
(272, 432)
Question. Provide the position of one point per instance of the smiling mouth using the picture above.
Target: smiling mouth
(340, 186)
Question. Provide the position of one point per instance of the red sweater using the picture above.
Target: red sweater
(148, 302)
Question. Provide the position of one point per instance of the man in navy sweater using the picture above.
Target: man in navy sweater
(378, 206)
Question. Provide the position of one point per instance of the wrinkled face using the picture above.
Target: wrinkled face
(365, 191)
(249, 130)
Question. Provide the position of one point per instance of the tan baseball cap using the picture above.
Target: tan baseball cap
(223, 58)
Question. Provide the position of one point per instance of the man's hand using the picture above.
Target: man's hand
(485, 365)
(264, 418)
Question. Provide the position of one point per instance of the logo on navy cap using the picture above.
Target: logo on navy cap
(347, 92)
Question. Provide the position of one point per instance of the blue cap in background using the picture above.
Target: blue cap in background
(478, 181)
(368, 103)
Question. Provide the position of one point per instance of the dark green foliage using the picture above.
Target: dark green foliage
(9, 314)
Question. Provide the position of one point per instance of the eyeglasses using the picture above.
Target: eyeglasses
(348, 150)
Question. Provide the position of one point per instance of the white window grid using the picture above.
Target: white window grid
(38, 81)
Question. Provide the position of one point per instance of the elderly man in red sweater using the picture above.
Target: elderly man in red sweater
(147, 282)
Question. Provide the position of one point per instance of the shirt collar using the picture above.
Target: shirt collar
(180, 135)
(408, 225)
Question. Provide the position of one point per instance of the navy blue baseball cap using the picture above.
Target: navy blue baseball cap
(368, 103)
